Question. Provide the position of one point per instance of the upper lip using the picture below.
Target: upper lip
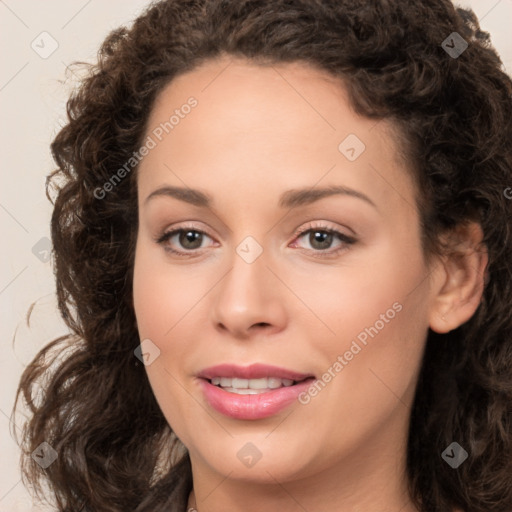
(254, 371)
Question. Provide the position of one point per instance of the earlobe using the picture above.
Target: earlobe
(460, 284)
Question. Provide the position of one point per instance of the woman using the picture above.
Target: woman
(282, 244)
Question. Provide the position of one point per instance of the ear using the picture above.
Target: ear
(458, 283)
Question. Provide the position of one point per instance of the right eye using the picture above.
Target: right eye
(189, 238)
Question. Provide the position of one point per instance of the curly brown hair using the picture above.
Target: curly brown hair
(93, 404)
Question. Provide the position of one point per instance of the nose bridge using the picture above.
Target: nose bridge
(248, 293)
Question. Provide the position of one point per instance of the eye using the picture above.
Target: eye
(321, 237)
(189, 238)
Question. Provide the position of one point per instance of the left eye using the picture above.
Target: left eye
(321, 239)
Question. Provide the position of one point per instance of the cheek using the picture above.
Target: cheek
(161, 301)
(375, 296)
(375, 316)
(381, 342)
(163, 294)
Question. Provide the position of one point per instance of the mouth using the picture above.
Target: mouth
(254, 392)
(253, 386)
(255, 371)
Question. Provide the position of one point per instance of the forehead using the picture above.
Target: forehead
(267, 127)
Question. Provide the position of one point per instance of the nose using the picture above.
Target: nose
(249, 299)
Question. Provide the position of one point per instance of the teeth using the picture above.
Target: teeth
(250, 386)
(239, 391)
(240, 383)
(274, 383)
(259, 384)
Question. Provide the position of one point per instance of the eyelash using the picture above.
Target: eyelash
(345, 239)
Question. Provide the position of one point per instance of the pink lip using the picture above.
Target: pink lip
(254, 371)
(252, 407)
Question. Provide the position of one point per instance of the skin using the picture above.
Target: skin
(255, 133)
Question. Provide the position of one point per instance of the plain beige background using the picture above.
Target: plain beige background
(33, 93)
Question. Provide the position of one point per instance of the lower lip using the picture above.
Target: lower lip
(252, 407)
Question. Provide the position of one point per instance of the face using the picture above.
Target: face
(305, 265)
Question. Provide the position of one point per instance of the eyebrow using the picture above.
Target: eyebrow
(289, 199)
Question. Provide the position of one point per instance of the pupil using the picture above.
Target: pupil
(189, 237)
(320, 237)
